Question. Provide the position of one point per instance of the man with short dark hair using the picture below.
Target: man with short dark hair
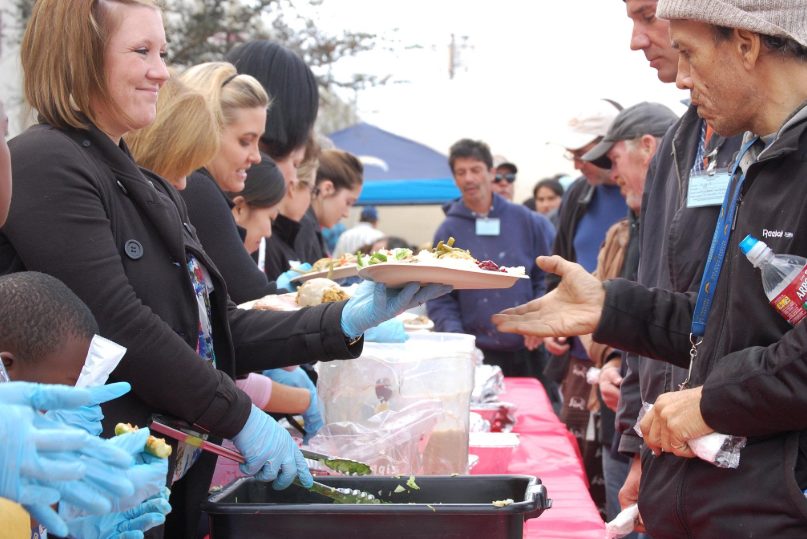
(492, 229)
(748, 376)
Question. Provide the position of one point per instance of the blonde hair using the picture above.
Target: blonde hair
(174, 145)
(226, 91)
(62, 56)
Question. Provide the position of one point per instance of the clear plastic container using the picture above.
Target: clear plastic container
(389, 379)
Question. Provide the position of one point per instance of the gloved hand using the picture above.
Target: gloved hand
(373, 303)
(148, 475)
(284, 279)
(270, 452)
(129, 524)
(42, 462)
(389, 331)
(297, 377)
(89, 417)
(56, 397)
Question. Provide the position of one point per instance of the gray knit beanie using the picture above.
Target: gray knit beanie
(778, 18)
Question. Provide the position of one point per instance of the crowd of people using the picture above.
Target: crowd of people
(147, 204)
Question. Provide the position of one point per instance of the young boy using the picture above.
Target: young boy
(45, 329)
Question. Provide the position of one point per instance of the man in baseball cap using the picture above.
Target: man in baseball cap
(631, 123)
(504, 177)
(744, 63)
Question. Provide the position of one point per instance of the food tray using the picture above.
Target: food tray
(445, 507)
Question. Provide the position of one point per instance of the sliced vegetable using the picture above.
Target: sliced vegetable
(154, 446)
(411, 483)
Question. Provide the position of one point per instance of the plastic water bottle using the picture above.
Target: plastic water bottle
(784, 278)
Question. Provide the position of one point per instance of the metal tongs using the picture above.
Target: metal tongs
(339, 464)
(339, 495)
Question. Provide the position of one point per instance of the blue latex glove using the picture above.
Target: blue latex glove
(373, 303)
(148, 475)
(284, 279)
(298, 378)
(42, 462)
(56, 397)
(89, 417)
(270, 452)
(129, 524)
(389, 331)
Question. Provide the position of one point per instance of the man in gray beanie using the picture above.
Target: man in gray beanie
(748, 374)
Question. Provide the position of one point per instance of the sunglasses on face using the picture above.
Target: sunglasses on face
(509, 178)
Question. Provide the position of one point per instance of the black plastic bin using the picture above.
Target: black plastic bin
(445, 507)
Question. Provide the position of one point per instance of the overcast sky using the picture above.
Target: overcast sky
(524, 66)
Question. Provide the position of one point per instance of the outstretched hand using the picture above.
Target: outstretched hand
(573, 308)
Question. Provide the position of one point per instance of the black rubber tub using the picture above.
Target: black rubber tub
(445, 507)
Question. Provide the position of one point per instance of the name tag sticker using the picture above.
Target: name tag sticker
(707, 189)
(488, 227)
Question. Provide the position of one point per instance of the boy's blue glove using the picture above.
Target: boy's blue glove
(129, 524)
(89, 417)
(298, 378)
(57, 397)
(284, 279)
(42, 462)
(389, 331)
(270, 452)
(373, 303)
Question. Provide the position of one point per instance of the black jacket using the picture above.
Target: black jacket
(309, 242)
(209, 212)
(672, 255)
(280, 249)
(575, 202)
(119, 238)
(751, 363)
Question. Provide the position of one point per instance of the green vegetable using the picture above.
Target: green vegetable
(401, 254)
(349, 467)
(359, 261)
(411, 483)
(399, 489)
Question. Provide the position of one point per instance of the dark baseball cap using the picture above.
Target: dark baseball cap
(631, 123)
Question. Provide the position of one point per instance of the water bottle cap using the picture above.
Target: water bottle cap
(748, 243)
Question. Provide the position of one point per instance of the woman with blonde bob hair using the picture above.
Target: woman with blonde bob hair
(240, 105)
(119, 237)
(171, 146)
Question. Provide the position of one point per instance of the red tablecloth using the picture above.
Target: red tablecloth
(549, 452)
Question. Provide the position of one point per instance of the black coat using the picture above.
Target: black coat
(118, 236)
(752, 365)
(209, 212)
(280, 251)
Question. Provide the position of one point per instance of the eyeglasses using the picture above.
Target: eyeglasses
(509, 178)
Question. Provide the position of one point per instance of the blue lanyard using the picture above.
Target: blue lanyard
(717, 252)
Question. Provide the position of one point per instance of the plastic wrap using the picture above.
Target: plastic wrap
(488, 383)
(722, 450)
(434, 368)
(391, 442)
(623, 523)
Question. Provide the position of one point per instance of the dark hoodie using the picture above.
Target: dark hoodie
(523, 236)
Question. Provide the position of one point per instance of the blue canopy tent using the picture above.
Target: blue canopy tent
(397, 170)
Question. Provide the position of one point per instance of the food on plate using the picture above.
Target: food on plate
(332, 263)
(320, 290)
(276, 302)
(154, 446)
(444, 255)
(418, 322)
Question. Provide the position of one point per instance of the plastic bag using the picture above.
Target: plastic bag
(102, 358)
(391, 442)
(722, 450)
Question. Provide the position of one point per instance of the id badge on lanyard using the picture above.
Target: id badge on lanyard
(708, 187)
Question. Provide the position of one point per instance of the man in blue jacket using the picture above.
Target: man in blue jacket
(492, 229)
